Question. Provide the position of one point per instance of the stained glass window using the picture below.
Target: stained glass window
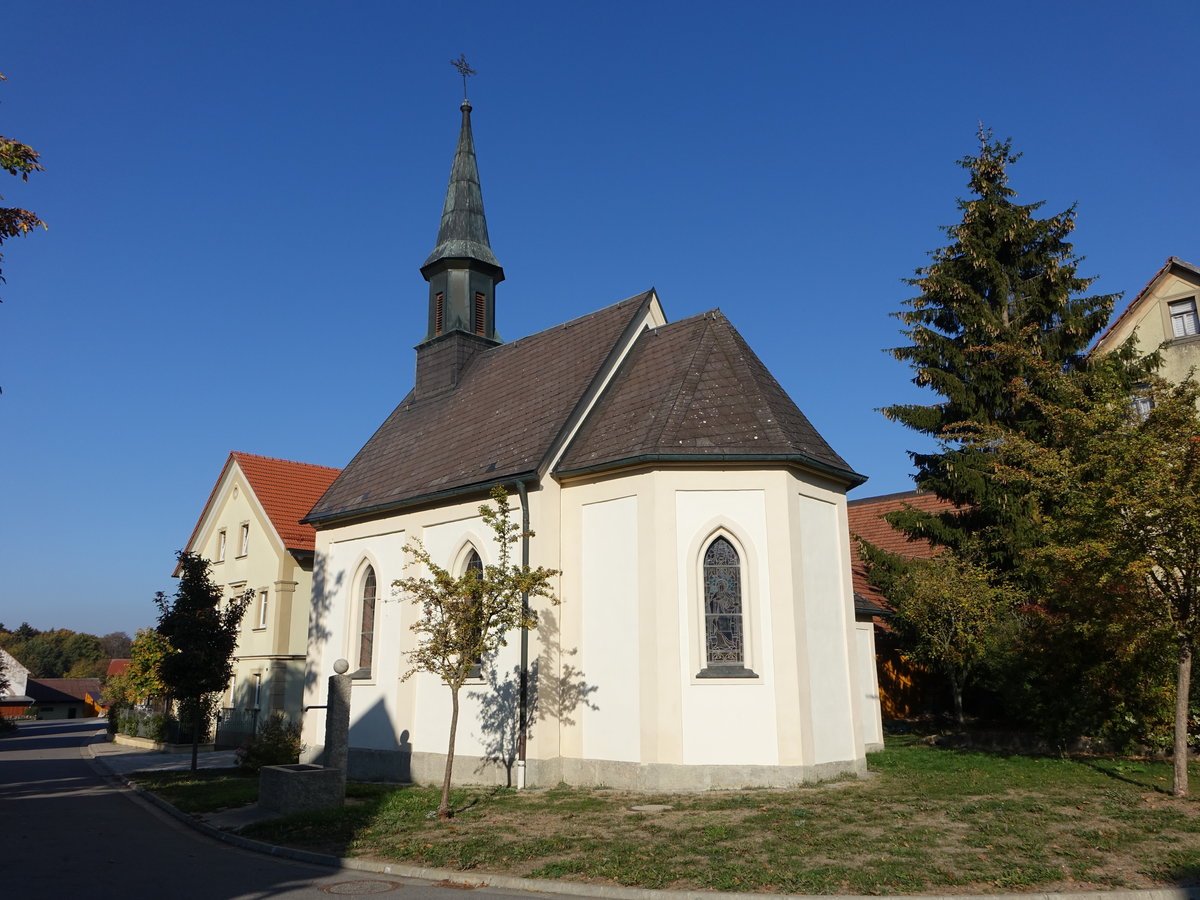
(724, 641)
(475, 564)
(366, 629)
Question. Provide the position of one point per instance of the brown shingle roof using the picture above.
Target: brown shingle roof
(118, 666)
(866, 522)
(502, 421)
(694, 390)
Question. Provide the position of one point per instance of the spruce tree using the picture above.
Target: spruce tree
(1006, 282)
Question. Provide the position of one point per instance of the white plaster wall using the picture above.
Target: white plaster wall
(725, 722)
(484, 716)
(385, 706)
(608, 657)
(374, 716)
(827, 632)
(868, 685)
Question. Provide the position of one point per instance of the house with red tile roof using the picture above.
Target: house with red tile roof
(707, 634)
(250, 531)
(901, 687)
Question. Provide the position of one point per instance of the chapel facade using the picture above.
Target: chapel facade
(706, 636)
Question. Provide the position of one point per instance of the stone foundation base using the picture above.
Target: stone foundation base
(428, 768)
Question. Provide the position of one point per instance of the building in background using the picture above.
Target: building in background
(250, 531)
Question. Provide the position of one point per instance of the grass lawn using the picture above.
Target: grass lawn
(930, 820)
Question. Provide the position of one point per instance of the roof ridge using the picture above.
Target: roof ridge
(293, 462)
(636, 298)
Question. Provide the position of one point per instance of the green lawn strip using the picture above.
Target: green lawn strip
(931, 820)
(206, 790)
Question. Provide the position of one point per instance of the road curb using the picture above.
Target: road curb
(580, 889)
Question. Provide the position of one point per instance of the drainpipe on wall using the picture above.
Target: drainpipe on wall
(522, 711)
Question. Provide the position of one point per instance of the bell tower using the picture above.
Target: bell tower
(462, 273)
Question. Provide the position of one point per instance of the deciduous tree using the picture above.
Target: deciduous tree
(948, 612)
(202, 634)
(1116, 500)
(20, 160)
(463, 618)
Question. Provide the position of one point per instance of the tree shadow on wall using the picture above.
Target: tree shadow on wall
(324, 586)
(550, 697)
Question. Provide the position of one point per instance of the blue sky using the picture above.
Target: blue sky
(239, 196)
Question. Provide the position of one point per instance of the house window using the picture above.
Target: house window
(221, 545)
(475, 564)
(724, 614)
(438, 302)
(262, 609)
(245, 542)
(1183, 318)
(480, 313)
(366, 627)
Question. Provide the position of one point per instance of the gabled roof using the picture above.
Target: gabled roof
(286, 490)
(501, 422)
(117, 666)
(62, 690)
(1136, 302)
(866, 521)
(694, 391)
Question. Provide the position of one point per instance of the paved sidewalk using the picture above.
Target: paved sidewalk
(121, 760)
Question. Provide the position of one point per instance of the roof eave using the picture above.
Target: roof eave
(341, 517)
(848, 476)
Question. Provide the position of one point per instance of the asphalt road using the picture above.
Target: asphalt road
(68, 829)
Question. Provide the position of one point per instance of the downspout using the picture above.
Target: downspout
(522, 711)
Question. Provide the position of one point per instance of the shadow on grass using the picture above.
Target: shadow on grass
(1114, 769)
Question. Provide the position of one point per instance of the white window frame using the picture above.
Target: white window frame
(262, 608)
(1183, 318)
(222, 537)
(244, 543)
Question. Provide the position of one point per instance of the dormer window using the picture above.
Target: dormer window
(1183, 318)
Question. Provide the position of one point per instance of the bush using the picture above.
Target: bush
(276, 744)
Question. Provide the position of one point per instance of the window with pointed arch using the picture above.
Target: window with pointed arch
(724, 612)
(366, 620)
(475, 564)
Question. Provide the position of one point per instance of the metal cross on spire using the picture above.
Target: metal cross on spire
(464, 69)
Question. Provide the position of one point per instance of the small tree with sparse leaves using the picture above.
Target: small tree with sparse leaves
(463, 618)
(202, 634)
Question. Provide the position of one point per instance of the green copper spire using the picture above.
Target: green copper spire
(463, 232)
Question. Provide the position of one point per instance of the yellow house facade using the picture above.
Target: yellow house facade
(250, 533)
(1163, 316)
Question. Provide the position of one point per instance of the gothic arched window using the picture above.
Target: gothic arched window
(366, 620)
(475, 564)
(724, 639)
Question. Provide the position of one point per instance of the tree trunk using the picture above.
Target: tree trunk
(956, 689)
(444, 811)
(1179, 784)
(196, 735)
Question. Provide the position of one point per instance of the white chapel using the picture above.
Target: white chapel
(706, 636)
